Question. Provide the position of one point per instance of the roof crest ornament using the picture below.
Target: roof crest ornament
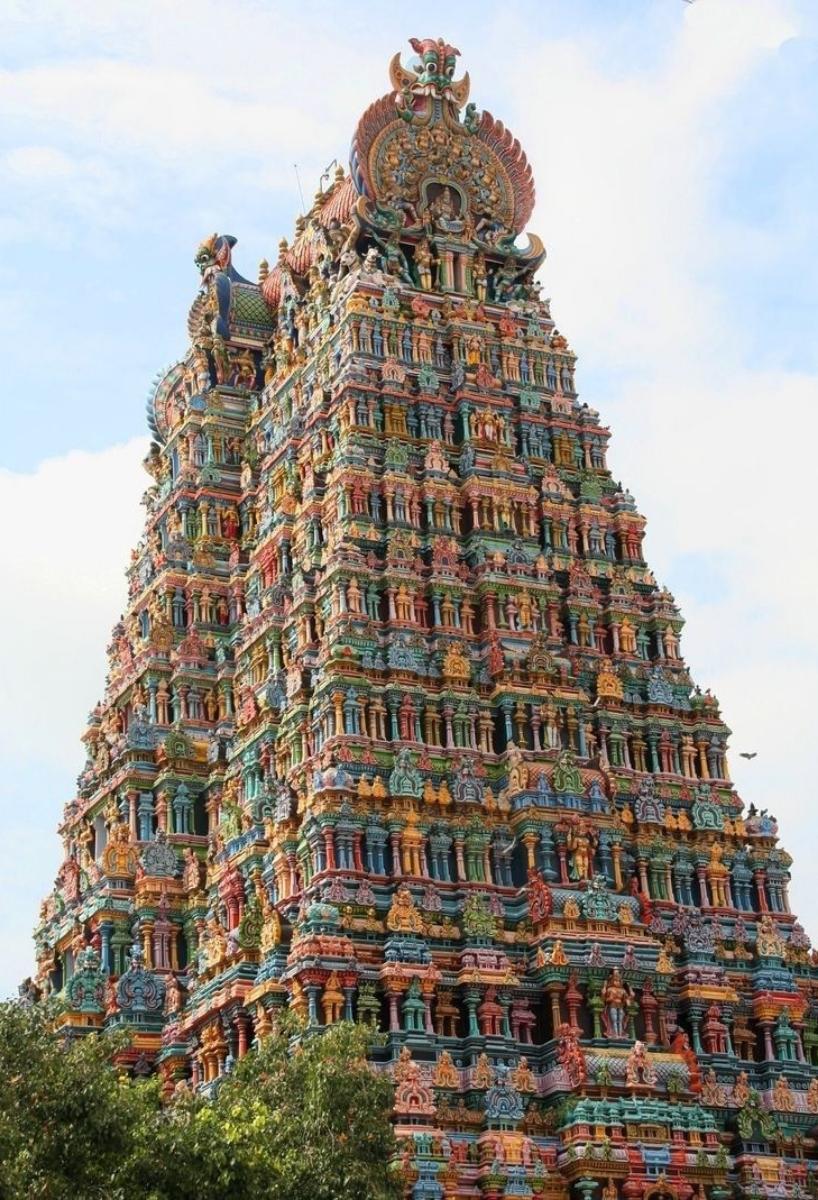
(418, 167)
(433, 82)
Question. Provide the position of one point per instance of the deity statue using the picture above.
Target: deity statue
(581, 841)
(215, 943)
(615, 995)
(405, 779)
(446, 1074)
(783, 1098)
(570, 1055)
(479, 276)
(508, 281)
(423, 264)
(540, 902)
(770, 943)
(741, 1089)
(393, 261)
(523, 1078)
(712, 1091)
(443, 212)
(558, 957)
(517, 769)
(640, 1071)
(403, 917)
(566, 776)
(482, 1074)
(664, 964)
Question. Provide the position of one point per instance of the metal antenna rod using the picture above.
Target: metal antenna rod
(325, 175)
(298, 181)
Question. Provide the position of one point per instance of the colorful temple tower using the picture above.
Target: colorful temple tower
(397, 727)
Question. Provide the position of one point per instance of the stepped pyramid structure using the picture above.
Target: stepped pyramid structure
(397, 728)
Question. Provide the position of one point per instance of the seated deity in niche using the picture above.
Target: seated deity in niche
(443, 208)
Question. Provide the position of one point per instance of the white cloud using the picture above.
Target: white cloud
(69, 526)
(160, 86)
(51, 190)
(624, 162)
(173, 114)
(147, 112)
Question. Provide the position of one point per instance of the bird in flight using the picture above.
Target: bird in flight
(745, 754)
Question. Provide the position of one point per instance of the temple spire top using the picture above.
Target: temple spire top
(434, 78)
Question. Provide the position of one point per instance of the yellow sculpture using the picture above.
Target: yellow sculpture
(403, 916)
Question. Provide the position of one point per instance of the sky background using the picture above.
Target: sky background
(675, 150)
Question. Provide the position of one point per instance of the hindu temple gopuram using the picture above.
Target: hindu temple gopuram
(397, 728)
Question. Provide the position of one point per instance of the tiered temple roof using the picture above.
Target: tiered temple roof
(397, 726)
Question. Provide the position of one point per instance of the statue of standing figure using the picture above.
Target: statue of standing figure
(479, 276)
(393, 260)
(581, 841)
(423, 264)
(615, 995)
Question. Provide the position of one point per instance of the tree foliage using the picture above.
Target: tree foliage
(303, 1117)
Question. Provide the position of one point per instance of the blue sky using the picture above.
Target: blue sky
(675, 149)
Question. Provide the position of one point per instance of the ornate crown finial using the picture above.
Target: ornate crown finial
(435, 78)
(463, 176)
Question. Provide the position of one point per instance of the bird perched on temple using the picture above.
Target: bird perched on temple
(748, 755)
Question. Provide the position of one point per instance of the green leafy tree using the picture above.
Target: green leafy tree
(66, 1119)
(302, 1117)
(324, 1111)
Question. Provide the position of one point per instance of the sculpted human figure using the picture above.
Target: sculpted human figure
(403, 917)
(479, 276)
(393, 259)
(640, 1069)
(615, 994)
(444, 212)
(581, 845)
(558, 956)
(423, 264)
